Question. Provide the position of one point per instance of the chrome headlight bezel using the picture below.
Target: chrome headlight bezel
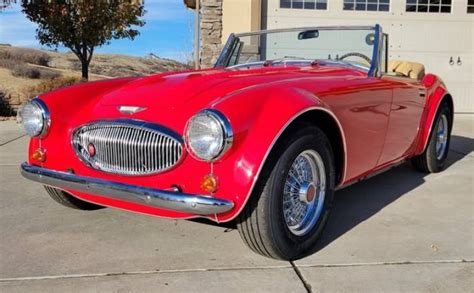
(225, 130)
(43, 115)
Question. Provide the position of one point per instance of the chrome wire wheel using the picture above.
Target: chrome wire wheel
(442, 137)
(304, 192)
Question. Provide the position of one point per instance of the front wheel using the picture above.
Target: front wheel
(287, 212)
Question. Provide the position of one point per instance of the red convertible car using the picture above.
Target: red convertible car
(284, 119)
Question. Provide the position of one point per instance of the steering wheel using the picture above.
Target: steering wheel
(355, 54)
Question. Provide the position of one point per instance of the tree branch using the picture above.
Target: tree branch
(91, 52)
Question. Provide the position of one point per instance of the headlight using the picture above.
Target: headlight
(34, 117)
(208, 135)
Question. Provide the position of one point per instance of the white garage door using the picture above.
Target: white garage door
(437, 33)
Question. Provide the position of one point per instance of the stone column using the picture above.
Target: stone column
(211, 31)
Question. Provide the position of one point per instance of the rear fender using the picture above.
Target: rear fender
(436, 94)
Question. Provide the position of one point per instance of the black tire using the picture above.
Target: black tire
(70, 201)
(428, 161)
(261, 223)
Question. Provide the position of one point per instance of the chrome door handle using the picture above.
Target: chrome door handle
(451, 60)
(459, 61)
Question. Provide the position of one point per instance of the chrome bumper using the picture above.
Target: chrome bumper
(169, 200)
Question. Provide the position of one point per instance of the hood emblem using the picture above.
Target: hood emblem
(130, 109)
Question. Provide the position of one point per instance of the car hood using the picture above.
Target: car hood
(176, 89)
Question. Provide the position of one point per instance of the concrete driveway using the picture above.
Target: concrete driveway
(399, 231)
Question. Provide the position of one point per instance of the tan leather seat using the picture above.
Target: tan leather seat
(406, 68)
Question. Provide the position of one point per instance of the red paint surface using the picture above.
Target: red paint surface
(383, 120)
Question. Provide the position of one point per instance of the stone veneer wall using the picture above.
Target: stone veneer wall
(211, 31)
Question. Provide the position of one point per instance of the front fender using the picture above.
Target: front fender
(258, 117)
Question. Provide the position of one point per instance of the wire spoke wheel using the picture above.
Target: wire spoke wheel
(286, 215)
(441, 137)
(304, 192)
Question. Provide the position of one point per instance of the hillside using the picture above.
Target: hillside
(115, 65)
(21, 69)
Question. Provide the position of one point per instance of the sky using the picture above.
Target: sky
(168, 32)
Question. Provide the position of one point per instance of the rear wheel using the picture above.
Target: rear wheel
(287, 212)
(434, 157)
(70, 201)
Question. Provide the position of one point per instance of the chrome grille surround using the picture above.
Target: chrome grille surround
(128, 147)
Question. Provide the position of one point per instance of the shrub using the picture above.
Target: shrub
(49, 85)
(48, 74)
(8, 63)
(24, 70)
(19, 68)
(26, 55)
(5, 108)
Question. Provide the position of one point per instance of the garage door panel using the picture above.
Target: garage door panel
(429, 38)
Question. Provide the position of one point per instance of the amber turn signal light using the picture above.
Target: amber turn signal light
(39, 155)
(209, 183)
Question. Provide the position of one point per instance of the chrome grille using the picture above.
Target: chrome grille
(127, 147)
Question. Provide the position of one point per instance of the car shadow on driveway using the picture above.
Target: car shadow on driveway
(357, 203)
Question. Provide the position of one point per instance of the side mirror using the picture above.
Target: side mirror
(312, 34)
(370, 39)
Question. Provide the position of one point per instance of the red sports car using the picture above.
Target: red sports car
(284, 119)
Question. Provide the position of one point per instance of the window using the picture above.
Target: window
(470, 6)
(431, 6)
(304, 4)
(367, 5)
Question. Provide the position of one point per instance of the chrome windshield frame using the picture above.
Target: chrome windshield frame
(375, 69)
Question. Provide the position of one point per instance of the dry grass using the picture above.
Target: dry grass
(24, 70)
(102, 65)
(49, 85)
(8, 63)
(27, 71)
(20, 68)
(25, 55)
(116, 65)
(21, 82)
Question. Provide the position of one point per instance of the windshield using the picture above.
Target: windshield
(349, 45)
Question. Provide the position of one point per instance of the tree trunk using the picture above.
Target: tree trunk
(85, 69)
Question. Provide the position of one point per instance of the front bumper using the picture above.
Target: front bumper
(165, 199)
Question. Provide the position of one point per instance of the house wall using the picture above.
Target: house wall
(240, 16)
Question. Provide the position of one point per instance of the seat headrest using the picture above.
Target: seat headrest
(406, 68)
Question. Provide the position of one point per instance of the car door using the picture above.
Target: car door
(404, 120)
(362, 107)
